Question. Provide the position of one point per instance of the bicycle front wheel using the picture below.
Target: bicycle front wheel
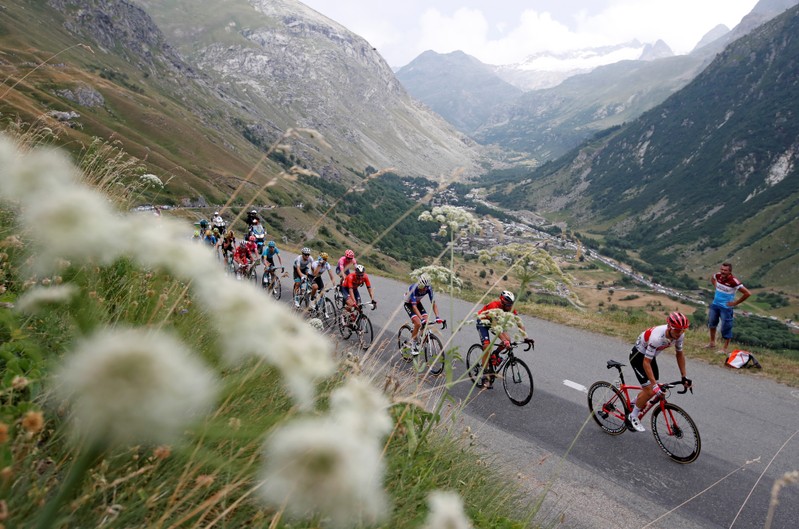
(338, 299)
(254, 275)
(434, 354)
(517, 381)
(608, 407)
(676, 433)
(473, 359)
(404, 338)
(364, 330)
(344, 325)
(276, 288)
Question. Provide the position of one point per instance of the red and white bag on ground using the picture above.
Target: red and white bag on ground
(739, 359)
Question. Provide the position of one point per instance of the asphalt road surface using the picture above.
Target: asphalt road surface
(749, 429)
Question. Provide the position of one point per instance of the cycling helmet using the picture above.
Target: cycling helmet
(305, 251)
(216, 231)
(253, 212)
(360, 270)
(349, 254)
(271, 244)
(677, 320)
(323, 256)
(252, 238)
(207, 233)
(424, 280)
(216, 213)
(507, 297)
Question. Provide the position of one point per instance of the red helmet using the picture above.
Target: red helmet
(252, 238)
(678, 321)
(349, 254)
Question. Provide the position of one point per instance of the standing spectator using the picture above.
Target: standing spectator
(723, 302)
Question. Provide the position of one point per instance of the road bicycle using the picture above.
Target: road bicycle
(338, 297)
(252, 272)
(271, 281)
(517, 379)
(674, 430)
(361, 326)
(302, 297)
(323, 309)
(430, 345)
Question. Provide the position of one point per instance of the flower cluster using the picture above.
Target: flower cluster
(151, 180)
(453, 218)
(439, 275)
(500, 321)
(446, 511)
(332, 466)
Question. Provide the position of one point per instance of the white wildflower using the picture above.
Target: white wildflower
(322, 467)
(251, 324)
(23, 173)
(440, 276)
(317, 324)
(500, 320)
(453, 218)
(362, 406)
(151, 180)
(35, 299)
(74, 223)
(446, 512)
(133, 386)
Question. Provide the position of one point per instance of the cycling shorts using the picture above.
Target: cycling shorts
(483, 329)
(345, 294)
(318, 282)
(412, 314)
(637, 363)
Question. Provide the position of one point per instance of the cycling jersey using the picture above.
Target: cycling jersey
(345, 264)
(319, 267)
(242, 254)
(415, 293)
(269, 254)
(725, 289)
(496, 304)
(653, 341)
(353, 281)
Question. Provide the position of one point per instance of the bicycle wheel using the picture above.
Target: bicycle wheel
(404, 341)
(276, 288)
(608, 407)
(254, 275)
(327, 313)
(434, 354)
(338, 299)
(473, 358)
(676, 433)
(364, 329)
(517, 381)
(344, 325)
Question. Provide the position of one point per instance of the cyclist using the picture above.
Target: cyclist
(218, 222)
(227, 244)
(301, 264)
(243, 255)
(349, 288)
(317, 268)
(643, 360)
(209, 238)
(505, 303)
(268, 258)
(413, 306)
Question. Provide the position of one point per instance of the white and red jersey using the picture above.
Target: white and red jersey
(653, 341)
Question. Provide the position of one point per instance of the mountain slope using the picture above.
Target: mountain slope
(289, 66)
(711, 170)
(457, 86)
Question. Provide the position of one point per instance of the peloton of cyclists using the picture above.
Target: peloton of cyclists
(643, 360)
(349, 289)
(316, 269)
(416, 311)
(505, 303)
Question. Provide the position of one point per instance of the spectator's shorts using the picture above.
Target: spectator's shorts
(725, 314)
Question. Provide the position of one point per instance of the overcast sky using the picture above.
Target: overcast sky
(506, 31)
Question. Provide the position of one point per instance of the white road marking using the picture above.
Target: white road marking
(575, 385)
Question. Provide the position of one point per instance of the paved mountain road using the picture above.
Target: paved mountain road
(748, 426)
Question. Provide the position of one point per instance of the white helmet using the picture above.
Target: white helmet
(424, 280)
(507, 297)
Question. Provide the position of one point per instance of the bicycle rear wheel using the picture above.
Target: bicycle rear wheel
(608, 407)
(473, 358)
(434, 354)
(404, 341)
(676, 433)
(327, 314)
(517, 381)
(364, 330)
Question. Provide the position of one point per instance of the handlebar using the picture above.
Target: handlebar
(529, 341)
(685, 388)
